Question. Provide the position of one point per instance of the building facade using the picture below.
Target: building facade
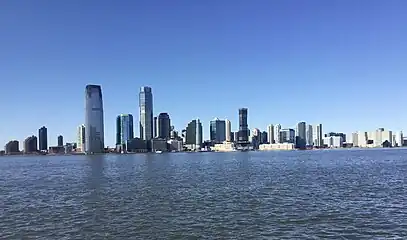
(310, 136)
(301, 135)
(146, 113)
(243, 127)
(270, 134)
(318, 136)
(30, 145)
(164, 126)
(124, 130)
(80, 140)
(217, 130)
(43, 139)
(228, 131)
(60, 140)
(194, 134)
(287, 135)
(12, 147)
(277, 130)
(94, 120)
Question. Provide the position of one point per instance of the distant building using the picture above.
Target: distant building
(175, 145)
(81, 138)
(270, 134)
(228, 131)
(243, 137)
(264, 137)
(12, 147)
(164, 126)
(194, 134)
(318, 136)
(159, 144)
(30, 145)
(287, 135)
(301, 135)
(333, 141)
(355, 139)
(124, 131)
(399, 139)
(236, 136)
(217, 130)
(137, 145)
(94, 120)
(60, 140)
(155, 126)
(146, 113)
(334, 134)
(310, 136)
(277, 146)
(277, 135)
(43, 139)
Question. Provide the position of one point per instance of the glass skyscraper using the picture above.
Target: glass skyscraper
(124, 129)
(94, 126)
(43, 139)
(163, 126)
(243, 128)
(217, 131)
(146, 113)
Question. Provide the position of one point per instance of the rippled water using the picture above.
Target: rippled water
(338, 194)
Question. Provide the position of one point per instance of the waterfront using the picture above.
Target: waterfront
(348, 194)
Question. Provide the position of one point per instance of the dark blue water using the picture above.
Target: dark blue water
(338, 194)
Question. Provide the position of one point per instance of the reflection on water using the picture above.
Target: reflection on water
(251, 195)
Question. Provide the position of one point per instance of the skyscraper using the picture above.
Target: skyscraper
(301, 135)
(155, 126)
(310, 138)
(270, 134)
(81, 138)
(60, 141)
(43, 139)
(217, 130)
(124, 129)
(287, 135)
(94, 123)
(318, 137)
(146, 113)
(277, 130)
(30, 144)
(228, 131)
(243, 127)
(164, 126)
(193, 133)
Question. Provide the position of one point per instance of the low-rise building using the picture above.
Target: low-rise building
(276, 146)
(175, 145)
(137, 145)
(224, 147)
(333, 142)
(159, 144)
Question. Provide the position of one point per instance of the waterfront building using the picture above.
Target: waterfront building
(81, 136)
(146, 113)
(277, 146)
(94, 120)
(163, 126)
(159, 144)
(60, 140)
(12, 147)
(236, 136)
(30, 144)
(287, 135)
(137, 145)
(277, 130)
(355, 139)
(124, 130)
(217, 130)
(310, 136)
(264, 137)
(228, 131)
(243, 127)
(334, 141)
(155, 126)
(43, 139)
(399, 139)
(224, 147)
(301, 135)
(363, 138)
(194, 135)
(175, 145)
(318, 136)
(270, 134)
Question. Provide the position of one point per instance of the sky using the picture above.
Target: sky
(342, 63)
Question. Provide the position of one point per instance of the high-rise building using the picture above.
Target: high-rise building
(30, 144)
(363, 139)
(146, 113)
(228, 131)
(355, 139)
(301, 135)
(155, 126)
(217, 130)
(94, 121)
(310, 137)
(124, 130)
(81, 136)
(60, 141)
(264, 137)
(236, 136)
(318, 137)
(270, 134)
(399, 139)
(193, 134)
(164, 126)
(287, 135)
(243, 127)
(277, 130)
(43, 139)
(12, 147)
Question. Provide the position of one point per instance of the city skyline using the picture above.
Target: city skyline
(205, 66)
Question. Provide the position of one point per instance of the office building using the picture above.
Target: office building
(228, 131)
(43, 139)
(355, 139)
(310, 136)
(155, 126)
(270, 134)
(334, 141)
(80, 140)
(194, 135)
(287, 135)
(217, 131)
(318, 136)
(12, 147)
(264, 137)
(94, 120)
(301, 135)
(399, 139)
(163, 126)
(243, 127)
(277, 130)
(60, 140)
(124, 130)
(146, 113)
(363, 138)
(30, 145)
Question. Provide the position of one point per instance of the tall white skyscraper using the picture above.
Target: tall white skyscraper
(309, 134)
(399, 139)
(270, 133)
(146, 113)
(228, 129)
(94, 126)
(80, 144)
(318, 136)
(277, 130)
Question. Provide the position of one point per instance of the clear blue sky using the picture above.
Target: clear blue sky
(341, 63)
